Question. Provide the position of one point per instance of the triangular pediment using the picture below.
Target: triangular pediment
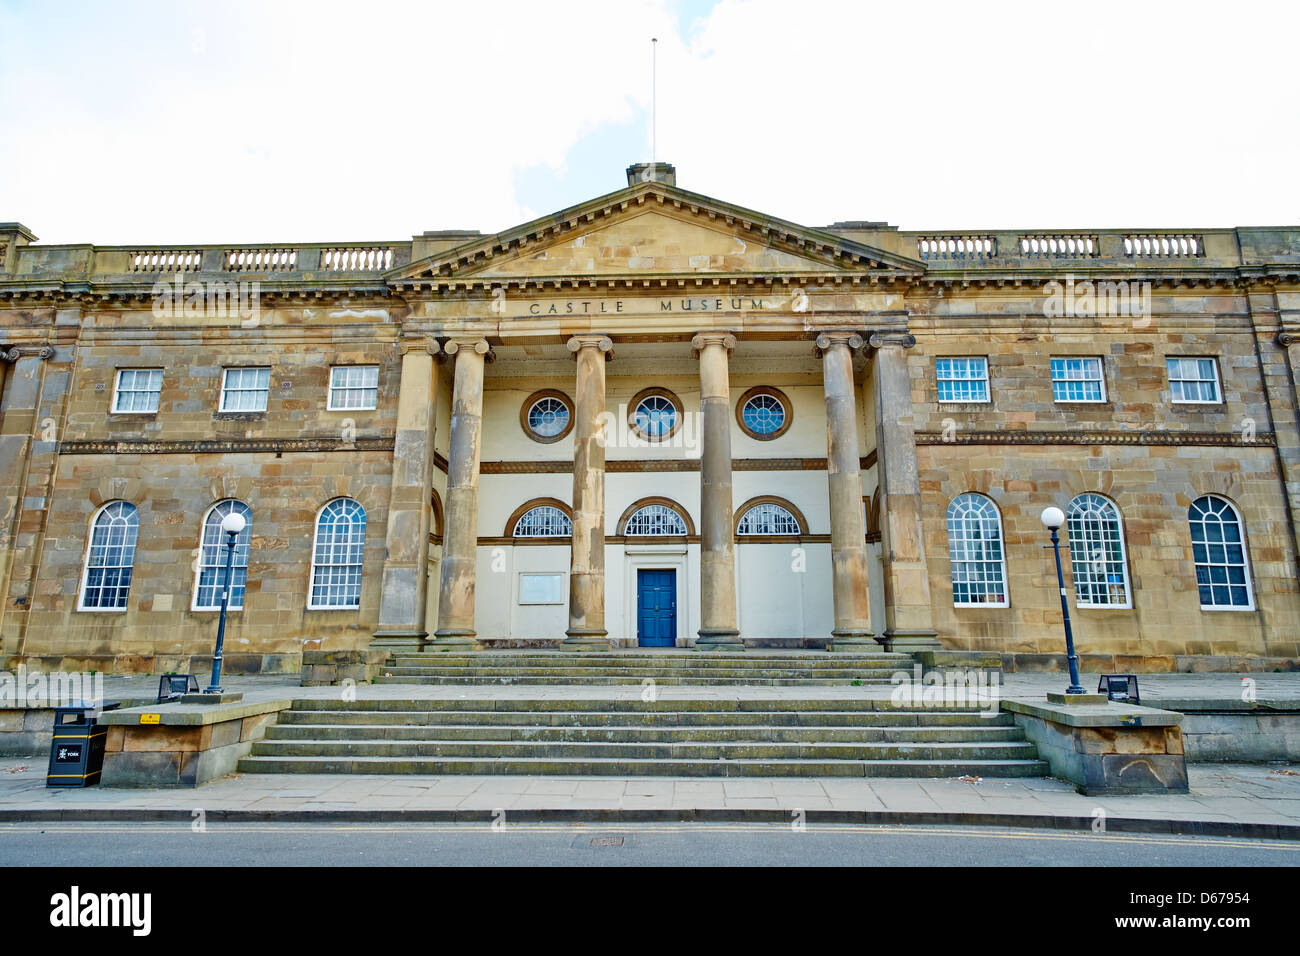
(654, 229)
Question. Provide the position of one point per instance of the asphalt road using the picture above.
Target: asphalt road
(684, 844)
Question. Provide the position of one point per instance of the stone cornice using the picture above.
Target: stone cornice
(1144, 437)
(231, 446)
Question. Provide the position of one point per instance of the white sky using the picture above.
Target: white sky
(269, 120)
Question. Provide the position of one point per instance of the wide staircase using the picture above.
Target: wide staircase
(636, 667)
(808, 737)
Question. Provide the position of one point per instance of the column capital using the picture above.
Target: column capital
(828, 340)
(703, 340)
(592, 341)
(1286, 339)
(420, 344)
(880, 340)
(474, 343)
(17, 352)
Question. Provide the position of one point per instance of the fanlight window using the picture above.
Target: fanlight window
(655, 417)
(212, 559)
(111, 558)
(1219, 550)
(1097, 552)
(337, 555)
(655, 520)
(763, 414)
(548, 417)
(768, 518)
(979, 571)
(544, 521)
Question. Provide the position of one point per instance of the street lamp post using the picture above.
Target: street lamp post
(232, 524)
(1053, 518)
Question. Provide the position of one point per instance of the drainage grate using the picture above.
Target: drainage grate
(606, 841)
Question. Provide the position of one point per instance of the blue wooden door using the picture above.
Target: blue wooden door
(656, 608)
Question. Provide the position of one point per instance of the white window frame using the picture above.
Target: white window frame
(559, 578)
(1218, 380)
(532, 428)
(1123, 556)
(315, 542)
(117, 392)
(243, 547)
(1245, 559)
(686, 528)
(664, 434)
(225, 377)
(744, 417)
(332, 406)
(939, 380)
(514, 532)
(85, 564)
(769, 508)
(1100, 379)
(1002, 553)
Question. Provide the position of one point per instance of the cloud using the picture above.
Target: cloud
(292, 121)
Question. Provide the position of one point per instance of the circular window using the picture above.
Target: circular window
(763, 413)
(656, 413)
(547, 416)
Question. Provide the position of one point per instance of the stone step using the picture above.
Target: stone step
(651, 734)
(570, 751)
(650, 719)
(669, 768)
(630, 704)
(638, 671)
(660, 679)
(889, 662)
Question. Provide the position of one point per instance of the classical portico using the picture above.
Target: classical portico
(690, 293)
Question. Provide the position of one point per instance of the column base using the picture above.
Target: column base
(905, 642)
(721, 639)
(456, 640)
(854, 642)
(399, 639)
(580, 639)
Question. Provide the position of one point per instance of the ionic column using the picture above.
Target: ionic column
(909, 623)
(718, 630)
(460, 537)
(852, 631)
(587, 553)
(406, 544)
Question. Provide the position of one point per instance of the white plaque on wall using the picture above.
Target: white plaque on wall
(541, 588)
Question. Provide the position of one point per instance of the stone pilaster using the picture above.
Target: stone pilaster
(410, 506)
(587, 552)
(909, 621)
(852, 631)
(460, 532)
(27, 460)
(718, 630)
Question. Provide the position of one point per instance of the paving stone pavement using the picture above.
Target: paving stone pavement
(1229, 794)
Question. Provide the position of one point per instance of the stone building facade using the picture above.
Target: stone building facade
(653, 419)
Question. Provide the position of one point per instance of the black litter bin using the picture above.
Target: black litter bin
(77, 748)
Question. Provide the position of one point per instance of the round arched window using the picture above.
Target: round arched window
(763, 413)
(656, 413)
(547, 416)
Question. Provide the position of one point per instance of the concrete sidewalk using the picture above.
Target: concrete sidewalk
(1245, 800)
